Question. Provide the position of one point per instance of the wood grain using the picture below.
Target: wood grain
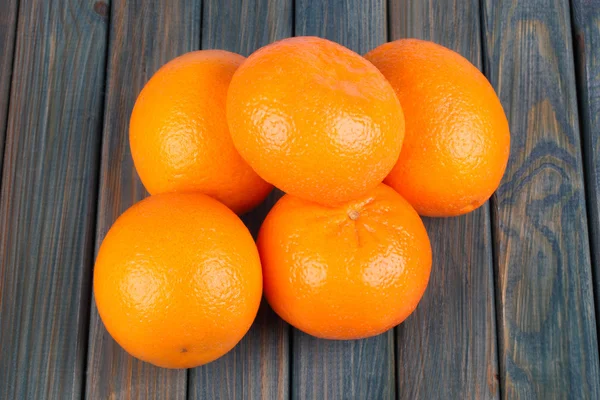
(548, 344)
(452, 334)
(48, 198)
(362, 369)
(586, 28)
(8, 27)
(258, 367)
(243, 27)
(351, 369)
(358, 25)
(143, 36)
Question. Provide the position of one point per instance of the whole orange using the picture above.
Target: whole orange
(315, 119)
(457, 137)
(179, 137)
(178, 280)
(345, 272)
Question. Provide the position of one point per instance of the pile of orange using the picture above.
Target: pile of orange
(178, 279)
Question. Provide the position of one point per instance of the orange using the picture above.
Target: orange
(178, 280)
(315, 119)
(457, 136)
(345, 272)
(179, 137)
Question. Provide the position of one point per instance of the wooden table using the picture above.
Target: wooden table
(511, 309)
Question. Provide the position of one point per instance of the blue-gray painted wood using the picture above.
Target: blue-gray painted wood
(547, 327)
(586, 30)
(8, 27)
(360, 25)
(452, 334)
(258, 367)
(361, 369)
(48, 198)
(143, 36)
(349, 369)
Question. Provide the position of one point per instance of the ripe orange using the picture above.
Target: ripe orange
(457, 136)
(178, 280)
(347, 272)
(179, 137)
(315, 119)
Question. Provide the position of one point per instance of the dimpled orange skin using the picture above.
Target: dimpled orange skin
(315, 119)
(346, 272)
(179, 137)
(457, 137)
(178, 281)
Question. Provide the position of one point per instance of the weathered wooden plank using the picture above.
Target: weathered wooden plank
(452, 334)
(358, 25)
(243, 28)
(8, 26)
(362, 369)
(143, 36)
(258, 367)
(48, 198)
(548, 343)
(586, 27)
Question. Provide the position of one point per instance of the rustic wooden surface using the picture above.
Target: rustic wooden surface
(258, 368)
(362, 369)
(457, 311)
(143, 36)
(48, 199)
(8, 27)
(547, 327)
(586, 30)
(509, 311)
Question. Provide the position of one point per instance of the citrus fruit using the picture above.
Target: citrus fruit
(315, 119)
(178, 280)
(179, 137)
(457, 137)
(345, 272)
